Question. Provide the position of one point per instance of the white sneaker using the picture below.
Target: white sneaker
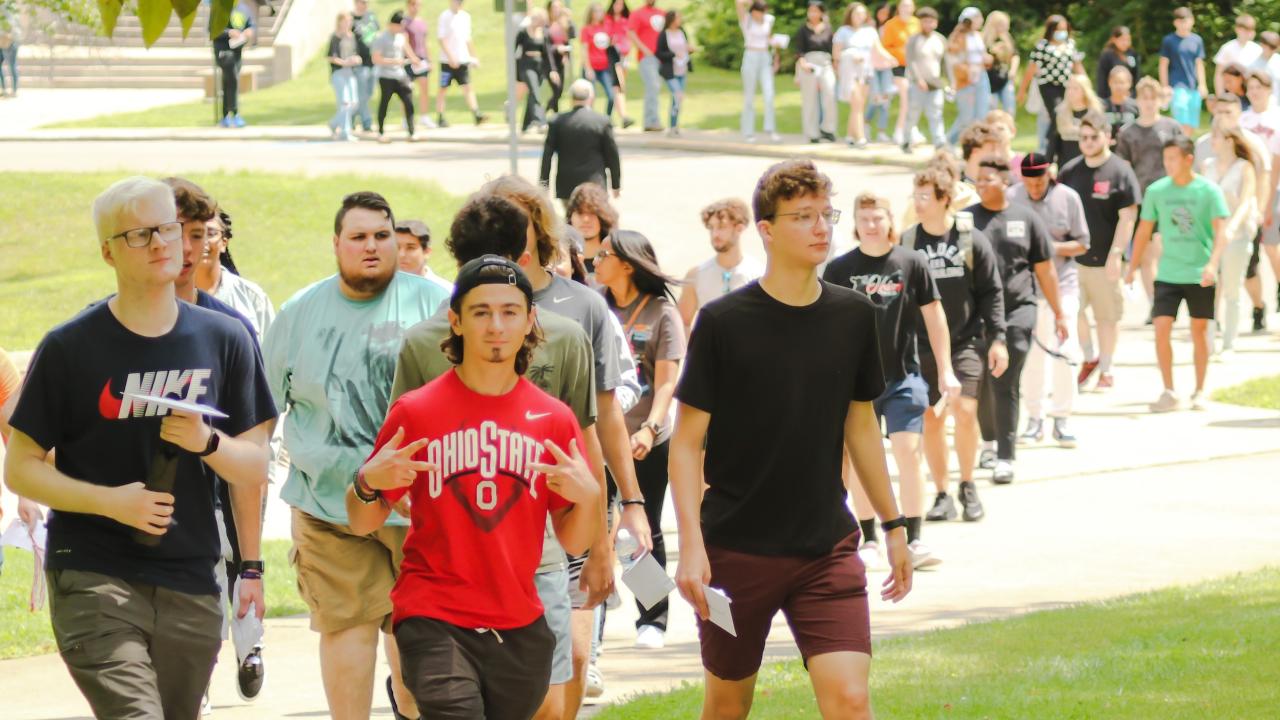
(1168, 402)
(922, 556)
(775, 137)
(898, 137)
(884, 139)
(594, 686)
(650, 637)
(870, 555)
(427, 122)
(916, 136)
(1002, 474)
(1197, 401)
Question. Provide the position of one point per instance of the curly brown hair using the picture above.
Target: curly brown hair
(194, 204)
(591, 198)
(542, 216)
(784, 181)
(939, 179)
(732, 210)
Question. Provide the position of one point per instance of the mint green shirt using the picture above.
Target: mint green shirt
(1184, 216)
(330, 361)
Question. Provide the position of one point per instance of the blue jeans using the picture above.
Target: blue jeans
(1006, 99)
(345, 92)
(881, 85)
(652, 88)
(606, 80)
(365, 83)
(971, 106)
(676, 86)
(9, 60)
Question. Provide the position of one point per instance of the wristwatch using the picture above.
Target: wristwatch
(890, 525)
(212, 447)
(251, 569)
(651, 426)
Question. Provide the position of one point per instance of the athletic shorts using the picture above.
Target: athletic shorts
(1169, 297)
(553, 591)
(902, 405)
(460, 75)
(1185, 107)
(1101, 293)
(344, 578)
(457, 672)
(1251, 270)
(966, 363)
(900, 72)
(824, 600)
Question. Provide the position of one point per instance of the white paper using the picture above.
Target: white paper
(18, 535)
(648, 581)
(181, 405)
(719, 605)
(238, 41)
(780, 41)
(246, 632)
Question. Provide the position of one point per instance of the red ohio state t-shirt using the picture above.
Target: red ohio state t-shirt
(477, 523)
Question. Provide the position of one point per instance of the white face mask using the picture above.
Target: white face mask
(1060, 35)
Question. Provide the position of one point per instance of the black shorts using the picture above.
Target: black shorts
(1252, 270)
(966, 363)
(460, 75)
(899, 71)
(1169, 297)
(456, 672)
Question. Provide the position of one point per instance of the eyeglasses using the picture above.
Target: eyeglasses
(212, 233)
(604, 254)
(830, 216)
(141, 237)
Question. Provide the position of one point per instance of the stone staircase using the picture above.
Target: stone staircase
(61, 55)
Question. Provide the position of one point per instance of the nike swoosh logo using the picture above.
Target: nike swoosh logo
(535, 416)
(560, 300)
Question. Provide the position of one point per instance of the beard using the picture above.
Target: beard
(362, 282)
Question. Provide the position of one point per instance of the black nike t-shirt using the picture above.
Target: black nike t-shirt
(1020, 240)
(897, 283)
(972, 298)
(1104, 191)
(777, 381)
(74, 401)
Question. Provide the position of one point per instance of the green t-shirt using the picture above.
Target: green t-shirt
(1184, 216)
(563, 366)
(330, 361)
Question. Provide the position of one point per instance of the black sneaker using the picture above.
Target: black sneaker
(441, 122)
(627, 122)
(1061, 434)
(827, 137)
(973, 511)
(1259, 320)
(250, 675)
(944, 508)
(480, 118)
(395, 709)
(987, 459)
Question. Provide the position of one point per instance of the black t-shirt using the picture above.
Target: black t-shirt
(73, 401)
(1104, 192)
(777, 381)
(1119, 115)
(897, 283)
(1020, 240)
(970, 298)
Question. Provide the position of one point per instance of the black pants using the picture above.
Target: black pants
(557, 90)
(229, 65)
(651, 474)
(999, 398)
(532, 108)
(401, 89)
(457, 673)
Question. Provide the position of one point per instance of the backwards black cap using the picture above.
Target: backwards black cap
(489, 270)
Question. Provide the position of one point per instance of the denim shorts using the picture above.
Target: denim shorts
(902, 405)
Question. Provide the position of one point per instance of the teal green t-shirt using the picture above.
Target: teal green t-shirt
(330, 361)
(1184, 217)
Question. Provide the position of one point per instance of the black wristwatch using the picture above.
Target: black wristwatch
(212, 447)
(252, 567)
(894, 524)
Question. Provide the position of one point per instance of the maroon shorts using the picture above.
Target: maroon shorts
(824, 600)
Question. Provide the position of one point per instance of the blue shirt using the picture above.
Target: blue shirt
(1182, 53)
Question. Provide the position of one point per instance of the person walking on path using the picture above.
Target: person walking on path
(534, 64)
(1109, 190)
(1232, 169)
(583, 141)
(1241, 50)
(926, 81)
(644, 27)
(331, 356)
(807, 351)
(814, 73)
(1064, 134)
(589, 211)
(969, 62)
(675, 65)
(343, 60)
(10, 42)
(560, 34)
(1118, 105)
(617, 25)
(365, 27)
(853, 46)
(1263, 120)
(391, 51)
(415, 29)
(896, 35)
(759, 64)
(466, 610)
(1118, 52)
(132, 591)
(726, 271)
(1190, 213)
(228, 48)
(1002, 74)
(413, 251)
(599, 68)
(457, 59)
(1182, 70)
(1024, 250)
(1052, 61)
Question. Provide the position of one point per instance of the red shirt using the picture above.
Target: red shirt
(477, 524)
(642, 25)
(598, 58)
(617, 29)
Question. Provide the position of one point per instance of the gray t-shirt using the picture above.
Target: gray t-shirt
(390, 45)
(1143, 147)
(587, 308)
(1063, 214)
(924, 59)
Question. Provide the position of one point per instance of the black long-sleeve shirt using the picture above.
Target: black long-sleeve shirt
(972, 299)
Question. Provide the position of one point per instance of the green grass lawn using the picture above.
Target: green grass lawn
(24, 633)
(1203, 651)
(1260, 393)
(283, 229)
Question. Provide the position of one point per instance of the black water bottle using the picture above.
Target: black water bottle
(162, 475)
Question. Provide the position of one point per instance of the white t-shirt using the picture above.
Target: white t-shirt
(756, 35)
(1236, 52)
(710, 281)
(1266, 125)
(1272, 66)
(454, 32)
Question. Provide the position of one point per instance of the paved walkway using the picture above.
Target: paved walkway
(34, 107)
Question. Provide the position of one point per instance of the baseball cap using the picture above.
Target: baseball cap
(970, 13)
(489, 270)
(1034, 164)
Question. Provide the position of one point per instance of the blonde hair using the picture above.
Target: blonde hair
(871, 201)
(1068, 125)
(540, 15)
(337, 23)
(990, 37)
(123, 197)
(1000, 117)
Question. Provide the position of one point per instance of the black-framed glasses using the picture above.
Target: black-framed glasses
(141, 237)
(830, 216)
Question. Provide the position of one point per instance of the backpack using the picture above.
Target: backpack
(965, 242)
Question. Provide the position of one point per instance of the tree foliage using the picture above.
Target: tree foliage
(153, 15)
